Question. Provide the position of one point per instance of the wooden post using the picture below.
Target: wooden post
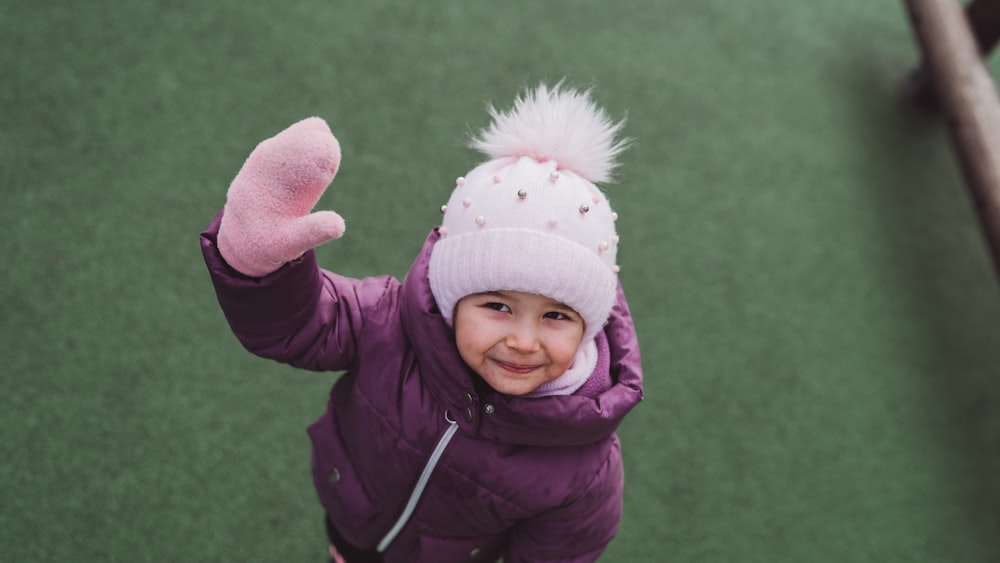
(968, 98)
(984, 18)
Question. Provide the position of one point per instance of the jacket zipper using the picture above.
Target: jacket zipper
(418, 490)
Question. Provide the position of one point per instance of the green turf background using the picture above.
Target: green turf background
(819, 317)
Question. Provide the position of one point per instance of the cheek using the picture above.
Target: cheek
(563, 350)
(468, 341)
(466, 348)
(462, 341)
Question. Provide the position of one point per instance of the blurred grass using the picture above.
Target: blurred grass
(818, 313)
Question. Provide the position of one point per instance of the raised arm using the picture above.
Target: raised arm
(279, 304)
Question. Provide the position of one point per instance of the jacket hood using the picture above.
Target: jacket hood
(558, 420)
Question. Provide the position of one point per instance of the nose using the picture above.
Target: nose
(523, 338)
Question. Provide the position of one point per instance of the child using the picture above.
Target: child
(477, 413)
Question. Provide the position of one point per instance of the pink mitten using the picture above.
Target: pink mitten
(266, 221)
(335, 556)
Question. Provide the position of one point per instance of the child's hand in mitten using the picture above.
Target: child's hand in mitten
(266, 221)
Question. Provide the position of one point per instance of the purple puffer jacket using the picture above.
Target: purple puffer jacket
(526, 479)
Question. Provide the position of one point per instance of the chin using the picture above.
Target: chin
(512, 388)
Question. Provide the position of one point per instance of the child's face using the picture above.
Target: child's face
(516, 341)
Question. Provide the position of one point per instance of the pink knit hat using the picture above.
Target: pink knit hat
(531, 219)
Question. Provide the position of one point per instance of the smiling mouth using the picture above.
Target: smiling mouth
(516, 368)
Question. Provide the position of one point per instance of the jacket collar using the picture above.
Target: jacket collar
(563, 420)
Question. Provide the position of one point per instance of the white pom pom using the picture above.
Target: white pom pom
(556, 124)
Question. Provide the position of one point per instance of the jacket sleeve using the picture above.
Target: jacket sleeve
(299, 315)
(579, 531)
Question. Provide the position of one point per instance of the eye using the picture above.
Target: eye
(494, 306)
(556, 315)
